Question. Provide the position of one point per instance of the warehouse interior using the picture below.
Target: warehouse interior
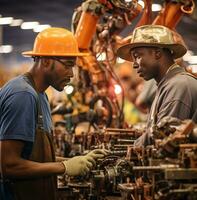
(106, 103)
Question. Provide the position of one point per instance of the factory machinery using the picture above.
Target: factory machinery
(167, 169)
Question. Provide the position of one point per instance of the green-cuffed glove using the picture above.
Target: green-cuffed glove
(81, 165)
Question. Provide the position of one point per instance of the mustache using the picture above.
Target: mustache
(135, 65)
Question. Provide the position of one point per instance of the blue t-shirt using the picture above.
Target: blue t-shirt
(18, 112)
(18, 117)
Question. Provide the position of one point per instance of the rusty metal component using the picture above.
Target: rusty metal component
(181, 174)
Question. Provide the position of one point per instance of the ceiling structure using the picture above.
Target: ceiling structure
(58, 13)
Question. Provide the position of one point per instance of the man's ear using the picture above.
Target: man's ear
(158, 53)
(45, 62)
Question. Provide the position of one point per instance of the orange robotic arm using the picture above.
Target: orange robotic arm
(147, 14)
(172, 12)
(86, 27)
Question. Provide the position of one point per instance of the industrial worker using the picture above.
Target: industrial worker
(153, 49)
(28, 164)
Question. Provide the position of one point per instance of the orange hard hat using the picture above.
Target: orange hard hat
(55, 42)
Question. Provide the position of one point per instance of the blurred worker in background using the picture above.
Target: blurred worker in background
(129, 81)
(153, 49)
(144, 100)
(28, 165)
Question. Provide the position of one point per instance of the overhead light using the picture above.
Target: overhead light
(16, 22)
(29, 25)
(190, 52)
(194, 68)
(6, 20)
(192, 60)
(117, 89)
(156, 7)
(40, 28)
(141, 3)
(69, 89)
(188, 55)
(101, 56)
(6, 48)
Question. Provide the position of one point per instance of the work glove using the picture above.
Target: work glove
(81, 165)
(98, 153)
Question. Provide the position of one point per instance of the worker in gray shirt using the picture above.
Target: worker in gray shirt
(153, 49)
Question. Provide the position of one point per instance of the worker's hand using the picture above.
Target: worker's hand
(81, 165)
(98, 153)
(78, 165)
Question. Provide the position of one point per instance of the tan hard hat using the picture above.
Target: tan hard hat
(58, 42)
(154, 36)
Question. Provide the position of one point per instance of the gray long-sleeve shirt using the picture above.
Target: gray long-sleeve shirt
(176, 96)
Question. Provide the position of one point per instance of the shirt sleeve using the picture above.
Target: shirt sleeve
(175, 108)
(18, 117)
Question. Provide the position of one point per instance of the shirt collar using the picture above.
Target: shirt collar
(172, 71)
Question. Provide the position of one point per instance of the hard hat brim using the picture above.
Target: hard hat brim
(31, 53)
(124, 52)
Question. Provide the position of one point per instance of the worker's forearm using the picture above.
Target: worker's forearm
(26, 169)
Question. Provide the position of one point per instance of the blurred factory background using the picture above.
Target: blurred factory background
(106, 104)
(17, 35)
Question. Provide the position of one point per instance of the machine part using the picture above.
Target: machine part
(193, 135)
(181, 174)
(61, 109)
(147, 14)
(133, 132)
(103, 111)
(91, 11)
(172, 12)
(169, 146)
